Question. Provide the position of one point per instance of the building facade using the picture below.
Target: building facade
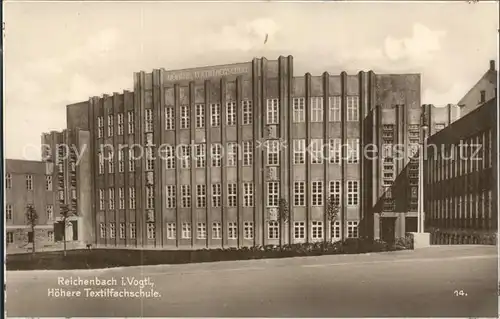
(247, 137)
(460, 184)
(67, 152)
(28, 183)
(483, 91)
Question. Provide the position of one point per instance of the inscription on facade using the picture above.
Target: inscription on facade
(202, 74)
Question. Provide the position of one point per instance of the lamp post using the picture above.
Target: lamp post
(423, 139)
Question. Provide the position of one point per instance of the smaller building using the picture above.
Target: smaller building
(28, 183)
(460, 186)
(484, 90)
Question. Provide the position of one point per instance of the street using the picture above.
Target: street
(452, 281)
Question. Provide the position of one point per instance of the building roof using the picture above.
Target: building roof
(490, 75)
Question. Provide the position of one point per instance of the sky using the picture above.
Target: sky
(56, 54)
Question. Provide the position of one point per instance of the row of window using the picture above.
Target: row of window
(233, 152)
(9, 237)
(49, 209)
(317, 191)
(29, 181)
(272, 114)
(299, 230)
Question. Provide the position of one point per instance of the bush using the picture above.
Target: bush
(105, 258)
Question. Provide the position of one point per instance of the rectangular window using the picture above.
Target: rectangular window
(150, 197)
(299, 151)
(247, 112)
(29, 182)
(102, 230)
(133, 232)
(186, 230)
(131, 198)
(131, 160)
(148, 120)
(111, 202)
(353, 150)
(150, 162)
(186, 196)
(335, 231)
(247, 194)
(185, 156)
(353, 108)
(273, 110)
(122, 230)
(170, 200)
(335, 191)
(200, 156)
(110, 125)
(9, 237)
(335, 151)
(216, 195)
(232, 154)
(121, 198)
(171, 231)
(317, 230)
(201, 196)
(232, 230)
(201, 231)
(112, 230)
(299, 110)
(50, 212)
(272, 229)
(151, 231)
(130, 118)
(48, 182)
(273, 155)
(8, 181)
(215, 114)
(352, 193)
(317, 151)
(272, 194)
(200, 115)
(121, 163)
(299, 230)
(216, 155)
(169, 119)
(352, 229)
(247, 153)
(120, 123)
(231, 113)
(335, 103)
(101, 199)
(184, 117)
(8, 212)
(317, 193)
(216, 230)
(299, 192)
(248, 230)
(100, 127)
(316, 109)
(231, 195)
(111, 164)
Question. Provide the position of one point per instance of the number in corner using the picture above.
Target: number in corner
(459, 293)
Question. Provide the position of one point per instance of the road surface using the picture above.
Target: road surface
(422, 283)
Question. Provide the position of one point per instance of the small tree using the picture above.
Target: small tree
(32, 221)
(332, 210)
(65, 214)
(283, 217)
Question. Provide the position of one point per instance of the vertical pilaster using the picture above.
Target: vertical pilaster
(289, 123)
(343, 155)
(362, 157)
(284, 160)
(223, 172)
(261, 185)
(208, 171)
(178, 194)
(239, 133)
(326, 162)
(160, 164)
(192, 170)
(157, 172)
(93, 170)
(107, 213)
(308, 156)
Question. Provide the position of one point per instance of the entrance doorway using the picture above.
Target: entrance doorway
(388, 231)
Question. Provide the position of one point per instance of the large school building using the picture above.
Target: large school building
(224, 147)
